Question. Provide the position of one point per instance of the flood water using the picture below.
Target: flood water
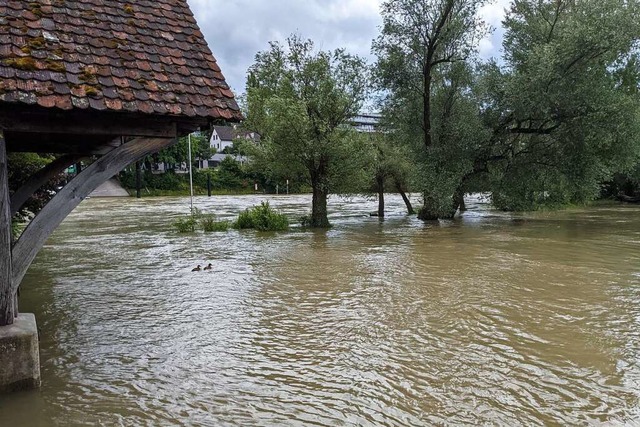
(494, 318)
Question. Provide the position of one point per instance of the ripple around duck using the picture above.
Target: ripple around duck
(482, 320)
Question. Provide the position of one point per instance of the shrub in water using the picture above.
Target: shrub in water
(186, 224)
(262, 218)
(210, 224)
(244, 221)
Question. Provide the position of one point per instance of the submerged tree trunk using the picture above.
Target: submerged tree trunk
(380, 184)
(319, 217)
(319, 208)
(407, 202)
(428, 211)
(460, 200)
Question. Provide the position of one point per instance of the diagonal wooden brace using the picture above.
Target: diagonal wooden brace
(40, 178)
(41, 227)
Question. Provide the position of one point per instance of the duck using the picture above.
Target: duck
(198, 268)
(208, 267)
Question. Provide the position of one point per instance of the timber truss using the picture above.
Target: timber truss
(115, 140)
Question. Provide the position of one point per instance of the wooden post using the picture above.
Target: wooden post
(209, 184)
(78, 168)
(7, 301)
(138, 179)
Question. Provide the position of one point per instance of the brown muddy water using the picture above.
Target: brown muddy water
(497, 319)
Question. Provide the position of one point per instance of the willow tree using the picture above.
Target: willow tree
(562, 116)
(420, 50)
(300, 101)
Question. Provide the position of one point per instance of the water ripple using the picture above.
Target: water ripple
(492, 319)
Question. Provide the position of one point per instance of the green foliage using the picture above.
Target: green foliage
(16, 228)
(164, 181)
(546, 128)
(300, 101)
(230, 176)
(564, 110)
(186, 224)
(262, 218)
(21, 167)
(179, 152)
(210, 224)
(424, 66)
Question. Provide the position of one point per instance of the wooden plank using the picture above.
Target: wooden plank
(59, 143)
(39, 229)
(7, 309)
(105, 125)
(39, 179)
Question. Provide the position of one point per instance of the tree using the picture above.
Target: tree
(388, 166)
(563, 109)
(21, 167)
(299, 101)
(422, 54)
(179, 153)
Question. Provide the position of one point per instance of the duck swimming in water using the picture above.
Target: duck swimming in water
(208, 267)
(198, 268)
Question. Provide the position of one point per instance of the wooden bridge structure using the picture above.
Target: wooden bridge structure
(108, 81)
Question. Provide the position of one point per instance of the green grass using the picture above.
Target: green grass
(185, 193)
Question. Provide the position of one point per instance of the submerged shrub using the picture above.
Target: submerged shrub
(244, 221)
(210, 224)
(186, 224)
(262, 218)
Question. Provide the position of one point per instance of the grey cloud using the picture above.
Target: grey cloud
(237, 29)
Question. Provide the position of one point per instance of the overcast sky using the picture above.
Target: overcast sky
(237, 29)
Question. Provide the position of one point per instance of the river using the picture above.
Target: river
(493, 318)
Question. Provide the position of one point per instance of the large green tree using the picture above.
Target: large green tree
(423, 52)
(563, 108)
(300, 101)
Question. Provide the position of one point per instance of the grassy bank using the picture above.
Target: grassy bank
(185, 193)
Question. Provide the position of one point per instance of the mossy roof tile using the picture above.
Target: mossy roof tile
(139, 56)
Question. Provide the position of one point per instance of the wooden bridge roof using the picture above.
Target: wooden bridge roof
(139, 57)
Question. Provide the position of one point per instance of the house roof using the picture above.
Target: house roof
(229, 133)
(135, 56)
(226, 133)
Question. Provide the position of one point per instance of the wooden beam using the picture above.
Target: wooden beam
(41, 227)
(109, 124)
(20, 142)
(7, 302)
(39, 179)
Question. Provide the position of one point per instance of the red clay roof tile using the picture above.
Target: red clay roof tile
(140, 56)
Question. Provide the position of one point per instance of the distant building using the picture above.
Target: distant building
(366, 122)
(222, 137)
(217, 158)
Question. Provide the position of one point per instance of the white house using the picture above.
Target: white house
(222, 137)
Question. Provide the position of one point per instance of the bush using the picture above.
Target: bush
(262, 218)
(186, 224)
(244, 221)
(210, 224)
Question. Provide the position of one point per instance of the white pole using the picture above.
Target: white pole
(190, 174)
